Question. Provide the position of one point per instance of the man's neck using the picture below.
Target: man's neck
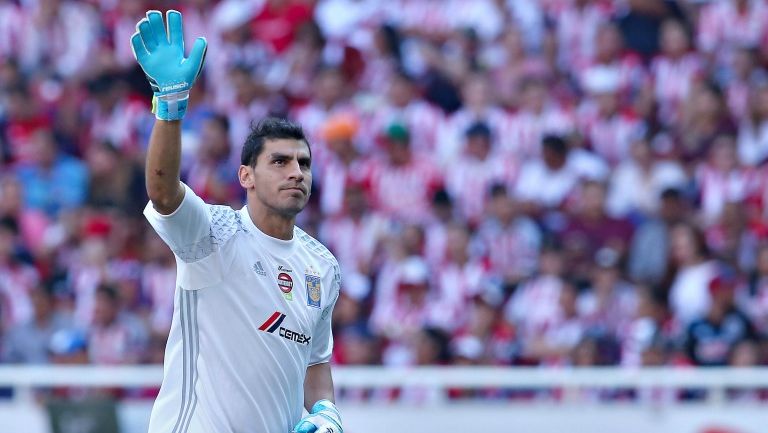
(270, 223)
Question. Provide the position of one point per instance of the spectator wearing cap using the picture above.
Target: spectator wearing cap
(28, 342)
(510, 240)
(711, 339)
(402, 182)
(68, 346)
(52, 181)
(653, 234)
(341, 165)
(470, 175)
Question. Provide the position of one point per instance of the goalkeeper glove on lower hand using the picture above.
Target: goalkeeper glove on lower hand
(160, 53)
(323, 418)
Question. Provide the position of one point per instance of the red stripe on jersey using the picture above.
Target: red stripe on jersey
(269, 321)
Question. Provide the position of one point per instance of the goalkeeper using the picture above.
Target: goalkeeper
(251, 337)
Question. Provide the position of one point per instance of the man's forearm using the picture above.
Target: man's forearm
(318, 385)
(163, 166)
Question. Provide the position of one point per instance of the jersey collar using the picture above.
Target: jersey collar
(278, 246)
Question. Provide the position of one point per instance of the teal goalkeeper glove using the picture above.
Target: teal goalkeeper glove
(324, 418)
(161, 55)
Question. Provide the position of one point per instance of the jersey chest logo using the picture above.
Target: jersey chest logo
(312, 279)
(273, 324)
(285, 282)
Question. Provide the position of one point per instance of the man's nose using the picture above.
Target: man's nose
(295, 172)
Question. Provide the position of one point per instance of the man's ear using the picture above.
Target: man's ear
(245, 175)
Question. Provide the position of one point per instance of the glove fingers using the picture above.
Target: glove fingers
(158, 26)
(305, 427)
(175, 28)
(147, 36)
(139, 50)
(197, 54)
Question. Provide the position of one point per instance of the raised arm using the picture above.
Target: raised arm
(163, 166)
(159, 50)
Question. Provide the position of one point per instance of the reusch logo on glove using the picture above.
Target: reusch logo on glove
(173, 87)
(273, 324)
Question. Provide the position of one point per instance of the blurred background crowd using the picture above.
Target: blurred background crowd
(503, 182)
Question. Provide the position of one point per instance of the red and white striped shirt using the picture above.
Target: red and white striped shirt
(404, 192)
(672, 81)
(576, 32)
(717, 188)
(535, 306)
(610, 137)
(354, 242)
(469, 179)
(512, 250)
(522, 132)
(16, 283)
(456, 284)
(722, 25)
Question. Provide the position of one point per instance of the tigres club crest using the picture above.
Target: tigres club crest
(313, 287)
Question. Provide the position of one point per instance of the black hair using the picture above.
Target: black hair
(109, 291)
(671, 193)
(498, 189)
(10, 224)
(442, 197)
(270, 128)
(555, 144)
(221, 119)
(478, 129)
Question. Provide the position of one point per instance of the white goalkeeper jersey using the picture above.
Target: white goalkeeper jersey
(251, 313)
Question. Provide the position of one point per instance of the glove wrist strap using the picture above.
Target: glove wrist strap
(170, 106)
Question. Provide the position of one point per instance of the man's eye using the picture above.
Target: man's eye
(279, 161)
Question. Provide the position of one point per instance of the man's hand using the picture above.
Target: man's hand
(160, 54)
(324, 418)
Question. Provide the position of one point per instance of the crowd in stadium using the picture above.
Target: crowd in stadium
(551, 182)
